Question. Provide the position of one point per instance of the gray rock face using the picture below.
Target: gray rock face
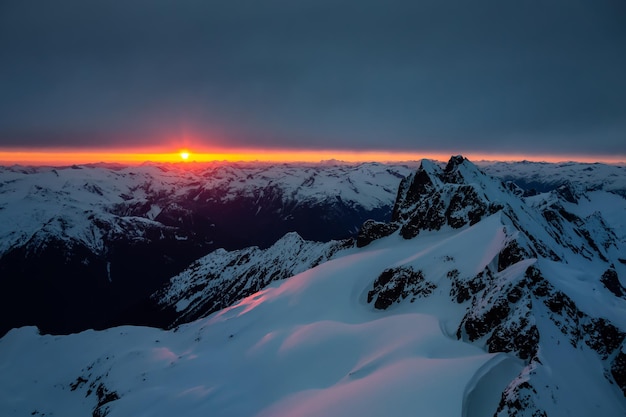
(397, 284)
(372, 230)
(433, 197)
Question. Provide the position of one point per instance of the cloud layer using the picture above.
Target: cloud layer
(502, 76)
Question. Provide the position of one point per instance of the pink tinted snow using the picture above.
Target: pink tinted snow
(164, 354)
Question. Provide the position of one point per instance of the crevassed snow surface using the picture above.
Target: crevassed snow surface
(307, 346)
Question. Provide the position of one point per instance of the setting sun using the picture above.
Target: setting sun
(184, 155)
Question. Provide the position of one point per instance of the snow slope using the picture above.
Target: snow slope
(221, 278)
(310, 346)
(480, 303)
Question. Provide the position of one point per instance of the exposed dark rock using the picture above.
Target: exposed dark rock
(104, 397)
(453, 163)
(517, 190)
(517, 401)
(561, 304)
(567, 192)
(503, 314)
(428, 215)
(602, 336)
(410, 189)
(478, 324)
(565, 314)
(372, 230)
(553, 218)
(570, 217)
(395, 284)
(431, 198)
(591, 243)
(618, 370)
(76, 384)
(519, 336)
(510, 255)
(463, 290)
(465, 207)
(611, 281)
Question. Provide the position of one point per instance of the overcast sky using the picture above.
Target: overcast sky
(535, 76)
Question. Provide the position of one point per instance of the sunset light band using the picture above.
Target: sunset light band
(56, 157)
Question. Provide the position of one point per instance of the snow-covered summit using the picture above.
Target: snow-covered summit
(497, 273)
(490, 304)
(461, 194)
(524, 301)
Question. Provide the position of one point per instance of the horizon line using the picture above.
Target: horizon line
(62, 157)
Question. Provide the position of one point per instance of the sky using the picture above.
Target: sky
(496, 77)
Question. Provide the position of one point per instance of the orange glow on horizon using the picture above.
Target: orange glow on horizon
(54, 157)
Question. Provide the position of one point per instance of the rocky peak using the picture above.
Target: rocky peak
(460, 195)
(459, 170)
(454, 196)
(568, 192)
(525, 301)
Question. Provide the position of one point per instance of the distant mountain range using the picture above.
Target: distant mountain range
(474, 297)
(85, 246)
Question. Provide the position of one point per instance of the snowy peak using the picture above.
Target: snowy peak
(457, 195)
(460, 195)
(523, 300)
(514, 307)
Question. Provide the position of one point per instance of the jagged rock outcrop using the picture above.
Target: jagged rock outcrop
(372, 230)
(611, 282)
(433, 197)
(514, 305)
(532, 279)
(397, 284)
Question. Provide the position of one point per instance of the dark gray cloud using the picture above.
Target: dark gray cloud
(509, 76)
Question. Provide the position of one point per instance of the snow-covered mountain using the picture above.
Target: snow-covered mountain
(75, 203)
(547, 289)
(543, 176)
(83, 247)
(221, 278)
(475, 300)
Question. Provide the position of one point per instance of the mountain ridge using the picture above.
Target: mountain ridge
(487, 294)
